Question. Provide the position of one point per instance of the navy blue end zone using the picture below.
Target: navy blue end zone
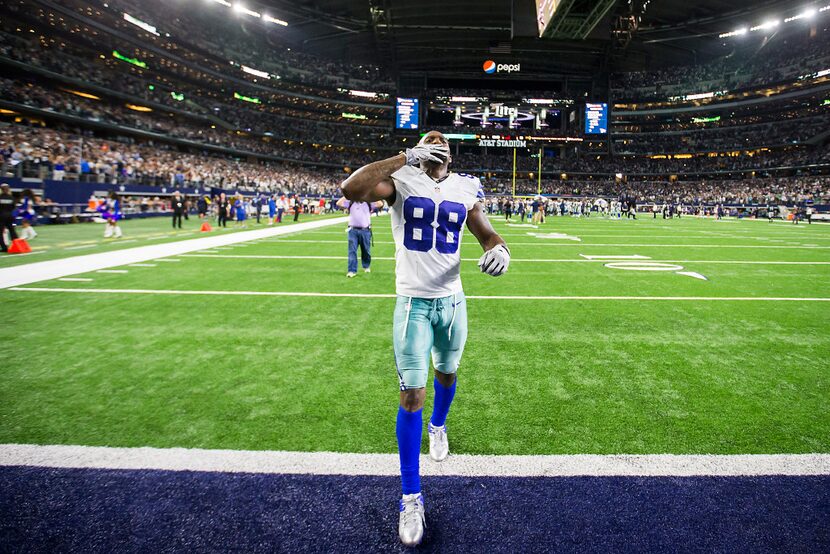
(71, 510)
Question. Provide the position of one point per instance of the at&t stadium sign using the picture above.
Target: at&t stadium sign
(502, 143)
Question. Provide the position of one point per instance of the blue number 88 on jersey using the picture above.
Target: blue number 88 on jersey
(421, 235)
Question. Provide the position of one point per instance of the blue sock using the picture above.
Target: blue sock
(443, 399)
(409, 429)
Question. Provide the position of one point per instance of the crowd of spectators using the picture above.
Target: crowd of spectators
(759, 160)
(283, 145)
(241, 129)
(760, 61)
(790, 190)
(722, 139)
(83, 60)
(61, 155)
(776, 110)
(240, 42)
(289, 123)
(47, 153)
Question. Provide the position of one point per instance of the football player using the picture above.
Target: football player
(430, 208)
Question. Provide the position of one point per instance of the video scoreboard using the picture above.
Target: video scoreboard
(596, 118)
(504, 112)
(406, 113)
(544, 13)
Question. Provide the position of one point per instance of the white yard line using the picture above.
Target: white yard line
(587, 245)
(644, 235)
(335, 463)
(366, 295)
(55, 269)
(275, 257)
(594, 259)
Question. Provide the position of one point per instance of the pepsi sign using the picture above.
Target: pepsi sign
(491, 67)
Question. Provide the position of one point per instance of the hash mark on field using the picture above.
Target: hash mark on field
(337, 463)
(143, 265)
(167, 260)
(75, 279)
(367, 295)
(112, 271)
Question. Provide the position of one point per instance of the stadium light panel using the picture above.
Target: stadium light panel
(83, 94)
(363, 93)
(701, 96)
(138, 23)
(256, 72)
(766, 25)
(269, 19)
(242, 9)
(825, 8)
(735, 33)
(807, 14)
(138, 108)
(223, 2)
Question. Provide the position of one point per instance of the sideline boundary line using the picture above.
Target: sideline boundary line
(53, 269)
(366, 295)
(333, 463)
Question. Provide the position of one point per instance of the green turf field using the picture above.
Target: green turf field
(538, 376)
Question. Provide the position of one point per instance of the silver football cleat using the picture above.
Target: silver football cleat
(411, 524)
(439, 447)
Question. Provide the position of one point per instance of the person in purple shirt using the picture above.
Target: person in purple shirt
(360, 233)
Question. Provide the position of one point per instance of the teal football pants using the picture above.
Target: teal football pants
(424, 326)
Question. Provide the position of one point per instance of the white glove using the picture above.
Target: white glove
(435, 153)
(495, 261)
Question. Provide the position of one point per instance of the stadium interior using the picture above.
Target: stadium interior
(717, 111)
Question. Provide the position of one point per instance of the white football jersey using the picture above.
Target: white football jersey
(428, 220)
